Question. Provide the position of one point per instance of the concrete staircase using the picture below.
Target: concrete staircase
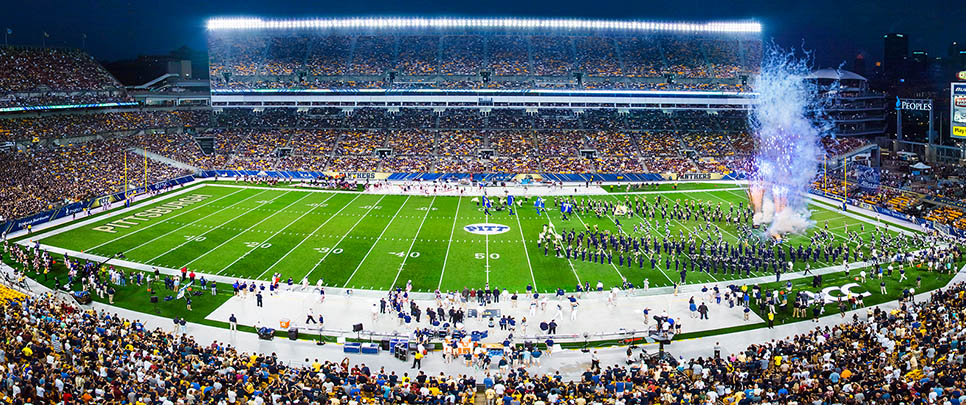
(168, 161)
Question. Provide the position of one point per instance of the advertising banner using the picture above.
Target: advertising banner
(957, 107)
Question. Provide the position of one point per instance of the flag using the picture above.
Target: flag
(184, 288)
(9, 31)
(46, 35)
(566, 208)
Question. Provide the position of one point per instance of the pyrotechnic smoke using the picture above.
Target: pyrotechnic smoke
(788, 141)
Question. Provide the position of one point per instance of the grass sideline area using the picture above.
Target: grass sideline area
(372, 241)
(137, 298)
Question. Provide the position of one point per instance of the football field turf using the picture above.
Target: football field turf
(371, 241)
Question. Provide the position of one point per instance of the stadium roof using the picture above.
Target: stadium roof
(836, 74)
(499, 23)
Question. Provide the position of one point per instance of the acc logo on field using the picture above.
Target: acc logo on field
(832, 294)
(486, 229)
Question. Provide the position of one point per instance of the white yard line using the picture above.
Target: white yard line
(713, 223)
(403, 264)
(275, 234)
(346, 205)
(376, 242)
(452, 232)
(212, 229)
(572, 268)
(190, 223)
(611, 263)
(486, 257)
(163, 221)
(526, 252)
(643, 220)
(247, 229)
(373, 205)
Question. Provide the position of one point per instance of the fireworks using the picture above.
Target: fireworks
(788, 143)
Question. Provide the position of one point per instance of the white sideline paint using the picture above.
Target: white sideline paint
(655, 290)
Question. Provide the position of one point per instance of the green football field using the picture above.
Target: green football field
(373, 241)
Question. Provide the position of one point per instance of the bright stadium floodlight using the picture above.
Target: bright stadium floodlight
(249, 23)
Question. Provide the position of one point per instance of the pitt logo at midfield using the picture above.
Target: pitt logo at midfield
(486, 229)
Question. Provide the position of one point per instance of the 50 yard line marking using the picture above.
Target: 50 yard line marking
(376, 242)
(373, 205)
(452, 232)
(165, 220)
(398, 272)
(310, 235)
(276, 233)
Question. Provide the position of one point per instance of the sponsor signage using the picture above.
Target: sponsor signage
(486, 229)
(961, 75)
(914, 104)
(957, 110)
(694, 176)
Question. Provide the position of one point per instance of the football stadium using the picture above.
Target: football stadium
(445, 210)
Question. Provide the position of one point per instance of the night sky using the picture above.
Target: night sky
(836, 29)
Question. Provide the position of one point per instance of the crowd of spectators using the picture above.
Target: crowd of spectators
(911, 353)
(837, 146)
(312, 60)
(46, 177)
(49, 76)
(64, 125)
(455, 140)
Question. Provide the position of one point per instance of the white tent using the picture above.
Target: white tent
(920, 166)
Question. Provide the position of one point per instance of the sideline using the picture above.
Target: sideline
(570, 363)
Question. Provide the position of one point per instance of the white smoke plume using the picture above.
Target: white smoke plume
(788, 140)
